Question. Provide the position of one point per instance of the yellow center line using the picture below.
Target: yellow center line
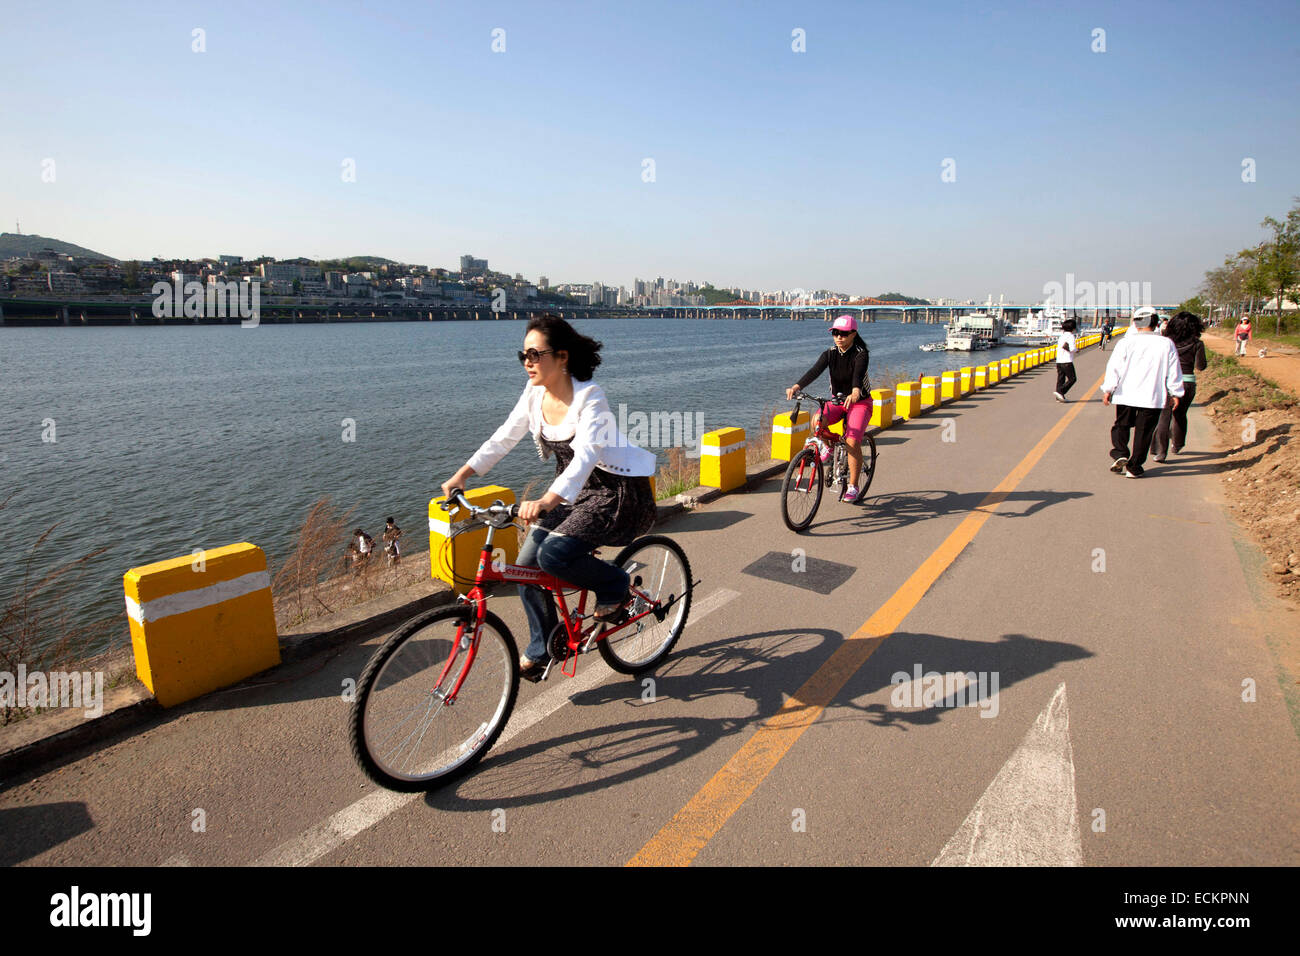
(687, 833)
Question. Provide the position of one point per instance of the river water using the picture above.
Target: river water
(155, 441)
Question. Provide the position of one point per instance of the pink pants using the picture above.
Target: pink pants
(859, 416)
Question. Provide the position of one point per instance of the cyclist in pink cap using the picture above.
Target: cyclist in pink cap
(847, 360)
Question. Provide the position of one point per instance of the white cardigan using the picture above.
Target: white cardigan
(597, 441)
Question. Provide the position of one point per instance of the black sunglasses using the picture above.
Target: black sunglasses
(532, 355)
(838, 333)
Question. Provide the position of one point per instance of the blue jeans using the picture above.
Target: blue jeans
(570, 560)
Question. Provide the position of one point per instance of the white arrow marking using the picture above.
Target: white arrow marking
(1027, 816)
(332, 833)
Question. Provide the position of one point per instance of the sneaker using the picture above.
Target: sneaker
(530, 669)
(851, 494)
(1129, 474)
(1160, 457)
(1058, 396)
(1118, 465)
(823, 451)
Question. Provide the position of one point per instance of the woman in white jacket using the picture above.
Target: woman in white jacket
(601, 493)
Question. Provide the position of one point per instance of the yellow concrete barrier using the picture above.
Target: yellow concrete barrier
(981, 376)
(787, 439)
(930, 391)
(995, 372)
(457, 563)
(201, 622)
(967, 380)
(950, 386)
(907, 400)
(722, 458)
(1004, 368)
(882, 407)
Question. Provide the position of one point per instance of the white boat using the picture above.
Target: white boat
(979, 330)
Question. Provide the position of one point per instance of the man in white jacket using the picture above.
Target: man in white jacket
(1142, 377)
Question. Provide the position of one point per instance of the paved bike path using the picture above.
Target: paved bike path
(1150, 727)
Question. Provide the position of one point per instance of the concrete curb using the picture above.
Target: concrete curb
(133, 706)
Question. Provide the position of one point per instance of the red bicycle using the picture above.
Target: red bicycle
(801, 491)
(436, 695)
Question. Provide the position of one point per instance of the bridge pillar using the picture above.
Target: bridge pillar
(135, 319)
(65, 316)
(2, 315)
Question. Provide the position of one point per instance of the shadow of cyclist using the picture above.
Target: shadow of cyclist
(891, 511)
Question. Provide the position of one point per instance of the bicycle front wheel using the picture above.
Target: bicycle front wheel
(868, 465)
(657, 567)
(405, 733)
(801, 491)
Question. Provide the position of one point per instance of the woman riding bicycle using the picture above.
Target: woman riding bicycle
(601, 494)
(847, 360)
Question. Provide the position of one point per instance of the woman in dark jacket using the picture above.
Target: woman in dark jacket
(1185, 330)
(847, 361)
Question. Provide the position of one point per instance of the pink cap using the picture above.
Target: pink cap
(845, 323)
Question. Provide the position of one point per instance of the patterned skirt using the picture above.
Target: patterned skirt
(609, 510)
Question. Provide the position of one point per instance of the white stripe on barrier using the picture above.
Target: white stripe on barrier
(714, 450)
(183, 601)
(440, 527)
(786, 430)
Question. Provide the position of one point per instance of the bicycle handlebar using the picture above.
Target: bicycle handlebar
(457, 499)
(838, 398)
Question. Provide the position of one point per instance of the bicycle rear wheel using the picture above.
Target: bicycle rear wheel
(404, 733)
(801, 491)
(657, 566)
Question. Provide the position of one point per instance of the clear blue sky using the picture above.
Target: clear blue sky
(774, 169)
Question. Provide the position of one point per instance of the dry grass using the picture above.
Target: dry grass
(758, 446)
(678, 475)
(888, 376)
(319, 578)
(36, 630)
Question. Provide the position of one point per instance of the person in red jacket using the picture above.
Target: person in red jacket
(1243, 334)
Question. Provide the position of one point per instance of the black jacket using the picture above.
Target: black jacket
(848, 369)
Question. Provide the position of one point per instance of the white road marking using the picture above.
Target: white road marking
(332, 833)
(1027, 816)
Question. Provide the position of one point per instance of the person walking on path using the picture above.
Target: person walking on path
(1066, 349)
(1143, 375)
(1184, 330)
(1106, 330)
(1243, 334)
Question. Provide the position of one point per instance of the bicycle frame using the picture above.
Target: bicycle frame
(518, 574)
(823, 432)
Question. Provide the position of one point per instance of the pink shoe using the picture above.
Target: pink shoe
(851, 494)
(823, 451)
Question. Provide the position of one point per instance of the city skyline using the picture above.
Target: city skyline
(946, 152)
